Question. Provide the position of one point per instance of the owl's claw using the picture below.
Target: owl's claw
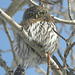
(19, 70)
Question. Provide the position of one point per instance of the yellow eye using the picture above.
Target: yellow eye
(41, 13)
(31, 14)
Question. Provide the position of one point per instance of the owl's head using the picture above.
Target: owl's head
(36, 12)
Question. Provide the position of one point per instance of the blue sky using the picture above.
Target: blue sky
(5, 45)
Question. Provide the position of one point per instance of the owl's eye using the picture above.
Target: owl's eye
(30, 14)
(41, 13)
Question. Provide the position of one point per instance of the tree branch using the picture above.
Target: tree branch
(3, 64)
(11, 41)
(58, 20)
(18, 71)
(69, 10)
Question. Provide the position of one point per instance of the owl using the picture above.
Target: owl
(39, 25)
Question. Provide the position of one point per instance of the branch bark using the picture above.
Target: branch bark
(58, 20)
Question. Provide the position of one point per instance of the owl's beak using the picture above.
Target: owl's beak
(36, 16)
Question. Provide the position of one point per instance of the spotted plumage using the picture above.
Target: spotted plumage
(39, 26)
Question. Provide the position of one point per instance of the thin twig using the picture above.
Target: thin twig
(64, 68)
(60, 55)
(4, 51)
(10, 40)
(19, 70)
(64, 65)
(59, 35)
(70, 69)
(66, 40)
(69, 10)
(3, 28)
(68, 49)
(73, 32)
(65, 56)
(72, 52)
(57, 61)
(48, 68)
(3, 64)
(46, 2)
(40, 70)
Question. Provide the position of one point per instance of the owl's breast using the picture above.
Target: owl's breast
(42, 32)
(38, 31)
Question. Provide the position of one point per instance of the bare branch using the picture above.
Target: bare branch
(46, 2)
(3, 28)
(65, 57)
(58, 20)
(69, 10)
(48, 64)
(19, 70)
(40, 70)
(33, 2)
(4, 51)
(54, 65)
(68, 49)
(3, 64)
(10, 40)
(60, 35)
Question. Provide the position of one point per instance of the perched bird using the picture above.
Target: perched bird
(39, 25)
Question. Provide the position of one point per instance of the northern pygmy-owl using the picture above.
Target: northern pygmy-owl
(39, 25)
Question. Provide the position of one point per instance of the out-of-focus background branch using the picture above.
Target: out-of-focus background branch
(62, 13)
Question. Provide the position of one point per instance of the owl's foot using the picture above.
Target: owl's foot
(19, 71)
